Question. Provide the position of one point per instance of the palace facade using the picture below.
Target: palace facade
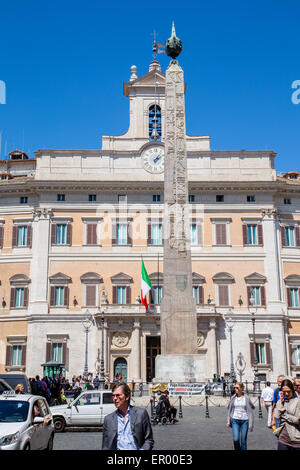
(75, 225)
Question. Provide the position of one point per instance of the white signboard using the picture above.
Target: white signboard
(186, 388)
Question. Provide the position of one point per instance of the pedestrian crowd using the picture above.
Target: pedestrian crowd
(283, 413)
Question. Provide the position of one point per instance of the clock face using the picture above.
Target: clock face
(153, 159)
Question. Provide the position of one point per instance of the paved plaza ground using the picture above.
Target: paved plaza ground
(193, 432)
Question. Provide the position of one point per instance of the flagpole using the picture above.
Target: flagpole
(158, 277)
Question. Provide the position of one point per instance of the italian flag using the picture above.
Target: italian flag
(145, 285)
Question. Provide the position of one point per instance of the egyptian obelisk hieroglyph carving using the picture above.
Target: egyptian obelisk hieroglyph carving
(178, 307)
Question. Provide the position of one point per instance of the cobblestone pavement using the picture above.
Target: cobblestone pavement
(193, 432)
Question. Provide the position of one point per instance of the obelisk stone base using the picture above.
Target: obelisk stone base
(179, 368)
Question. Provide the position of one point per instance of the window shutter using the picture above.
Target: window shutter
(23, 358)
(252, 353)
(66, 296)
(268, 352)
(64, 352)
(289, 297)
(114, 234)
(52, 295)
(223, 296)
(221, 234)
(26, 292)
(128, 295)
(249, 290)
(129, 234)
(1, 235)
(201, 295)
(245, 235)
(199, 234)
(90, 296)
(8, 355)
(263, 296)
(53, 234)
(69, 234)
(260, 234)
(283, 239)
(29, 236)
(94, 234)
(297, 231)
(291, 354)
(149, 237)
(114, 294)
(15, 236)
(89, 234)
(12, 297)
(48, 351)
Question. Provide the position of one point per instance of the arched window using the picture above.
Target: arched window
(154, 122)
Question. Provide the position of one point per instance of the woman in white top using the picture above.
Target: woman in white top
(240, 417)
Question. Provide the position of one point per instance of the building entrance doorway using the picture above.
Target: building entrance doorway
(152, 350)
(120, 368)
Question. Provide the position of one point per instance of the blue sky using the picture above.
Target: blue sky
(64, 64)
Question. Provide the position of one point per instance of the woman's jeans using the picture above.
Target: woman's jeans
(240, 431)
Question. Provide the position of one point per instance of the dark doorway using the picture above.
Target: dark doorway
(152, 350)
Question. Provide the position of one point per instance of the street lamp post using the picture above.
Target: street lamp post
(87, 322)
(256, 383)
(102, 377)
(229, 323)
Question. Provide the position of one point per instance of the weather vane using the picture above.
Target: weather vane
(157, 48)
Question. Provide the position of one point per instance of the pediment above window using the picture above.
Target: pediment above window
(255, 278)
(121, 278)
(60, 278)
(223, 277)
(90, 277)
(198, 278)
(292, 280)
(19, 279)
(156, 277)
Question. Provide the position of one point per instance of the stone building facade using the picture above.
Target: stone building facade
(74, 226)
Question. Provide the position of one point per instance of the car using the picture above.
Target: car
(4, 386)
(88, 409)
(26, 422)
(14, 379)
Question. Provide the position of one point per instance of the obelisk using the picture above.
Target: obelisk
(179, 360)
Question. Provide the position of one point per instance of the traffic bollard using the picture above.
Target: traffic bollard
(180, 408)
(206, 407)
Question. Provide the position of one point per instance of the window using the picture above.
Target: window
(296, 355)
(121, 234)
(19, 297)
(91, 234)
(252, 234)
(191, 198)
(92, 197)
(219, 198)
(261, 353)
(23, 200)
(16, 356)
(198, 295)
(59, 296)
(293, 297)
(61, 197)
(258, 293)
(156, 294)
(121, 295)
(289, 236)
(156, 234)
(255, 294)
(156, 198)
(223, 294)
(122, 198)
(221, 236)
(57, 349)
(61, 234)
(154, 122)
(287, 201)
(90, 296)
(193, 234)
(22, 235)
(250, 198)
